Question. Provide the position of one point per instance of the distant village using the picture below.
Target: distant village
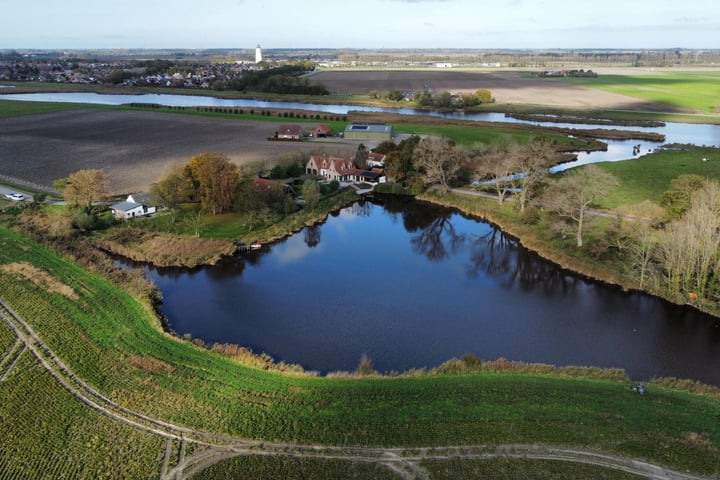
(204, 69)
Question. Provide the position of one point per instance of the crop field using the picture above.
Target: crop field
(693, 90)
(508, 87)
(134, 147)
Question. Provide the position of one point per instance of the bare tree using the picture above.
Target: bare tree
(196, 222)
(498, 163)
(439, 160)
(643, 251)
(689, 248)
(533, 162)
(572, 195)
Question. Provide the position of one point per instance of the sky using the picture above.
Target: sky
(475, 24)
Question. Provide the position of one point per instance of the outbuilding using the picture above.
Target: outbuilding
(369, 131)
(290, 132)
(126, 210)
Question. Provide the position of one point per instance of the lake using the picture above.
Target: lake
(412, 285)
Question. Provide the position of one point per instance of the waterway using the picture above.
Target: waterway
(412, 285)
(618, 150)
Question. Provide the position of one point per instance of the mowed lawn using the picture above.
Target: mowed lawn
(697, 90)
(647, 177)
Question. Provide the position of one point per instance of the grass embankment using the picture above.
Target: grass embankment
(112, 341)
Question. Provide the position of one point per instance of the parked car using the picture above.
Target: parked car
(15, 196)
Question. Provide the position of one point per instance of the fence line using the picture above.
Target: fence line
(19, 182)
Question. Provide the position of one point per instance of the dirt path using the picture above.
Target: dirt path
(406, 463)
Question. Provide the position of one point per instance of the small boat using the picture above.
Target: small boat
(255, 246)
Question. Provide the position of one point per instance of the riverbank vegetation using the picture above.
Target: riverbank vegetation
(662, 240)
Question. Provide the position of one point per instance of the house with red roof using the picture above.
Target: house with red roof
(290, 132)
(330, 168)
(321, 131)
(341, 169)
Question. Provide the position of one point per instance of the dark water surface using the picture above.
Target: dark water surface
(412, 285)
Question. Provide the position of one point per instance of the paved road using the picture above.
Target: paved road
(4, 190)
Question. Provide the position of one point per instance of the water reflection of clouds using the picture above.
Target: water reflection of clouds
(346, 216)
(293, 250)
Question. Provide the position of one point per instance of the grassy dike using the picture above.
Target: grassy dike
(115, 343)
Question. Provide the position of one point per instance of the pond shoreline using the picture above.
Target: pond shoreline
(531, 242)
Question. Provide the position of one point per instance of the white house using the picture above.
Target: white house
(136, 205)
(330, 168)
(343, 170)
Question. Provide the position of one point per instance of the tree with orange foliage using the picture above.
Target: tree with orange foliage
(82, 188)
(214, 179)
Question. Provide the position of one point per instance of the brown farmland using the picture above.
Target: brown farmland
(508, 87)
(133, 148)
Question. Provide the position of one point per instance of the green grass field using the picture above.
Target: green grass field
(647, 177)
(694, 90)
(110, 340)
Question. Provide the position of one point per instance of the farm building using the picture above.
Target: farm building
(321, 131)
(136, 205)
(290, 132)
(369, 131)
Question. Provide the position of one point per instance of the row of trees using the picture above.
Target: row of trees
(442, 101)
(448, 101)
(506, 167)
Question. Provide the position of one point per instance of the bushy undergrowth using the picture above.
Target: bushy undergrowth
(164, 249)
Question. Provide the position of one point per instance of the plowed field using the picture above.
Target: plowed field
(512, 87)
(134, 148)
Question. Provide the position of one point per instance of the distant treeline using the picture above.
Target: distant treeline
(243, 111)
(282, 79)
